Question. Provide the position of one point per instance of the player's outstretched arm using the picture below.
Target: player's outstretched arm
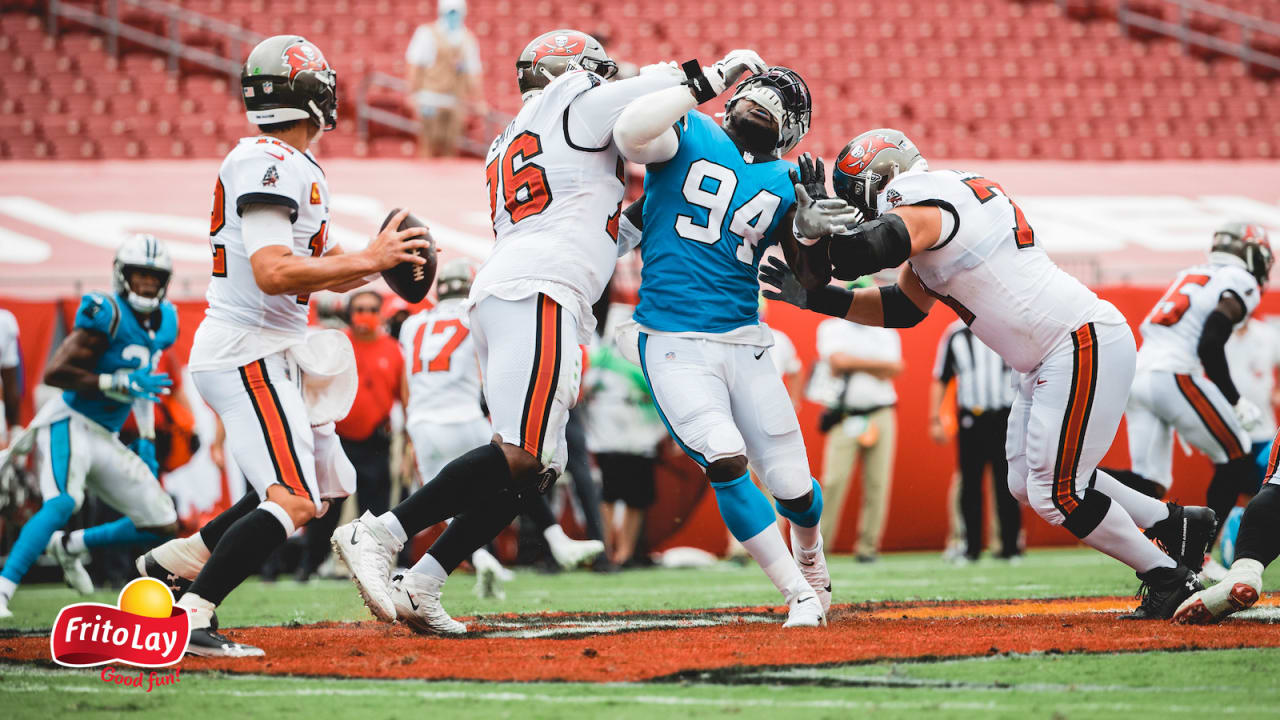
(901, 305)
(886, 241)
(72, 366)
(277, 271)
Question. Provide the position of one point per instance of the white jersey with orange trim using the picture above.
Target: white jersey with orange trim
(1171, 331)
(440, 358)
(243, 323)
(990, 270)
(556, 183)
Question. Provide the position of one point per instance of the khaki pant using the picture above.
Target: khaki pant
(875, 446)
(439, 133)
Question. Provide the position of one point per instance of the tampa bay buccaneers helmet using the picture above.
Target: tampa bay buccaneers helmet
(554, 53)
(141, 252)
(783, 93)
(1249, 243)
(287, 78)
(867, 164)
(455, 278)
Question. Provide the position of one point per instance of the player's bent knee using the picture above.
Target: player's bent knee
(524, 466)
(1040, 498)
(63, 505)
(806, 510)
(1018, 489)
(293, 511)
(726, 469)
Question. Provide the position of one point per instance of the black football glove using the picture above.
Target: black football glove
(776, 273)
(812, 176)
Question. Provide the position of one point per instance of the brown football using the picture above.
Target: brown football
(410, 280)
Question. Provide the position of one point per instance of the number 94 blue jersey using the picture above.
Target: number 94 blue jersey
(131, 344)
(709, 215)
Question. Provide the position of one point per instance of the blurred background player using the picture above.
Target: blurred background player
(970, 245)
(1184, 335)
(717, 195)
(444, 79)
(10, 377)
(251, 353)
(623, 432)
(558, 231)
(984, 394)
(106, 368)
(853, 380)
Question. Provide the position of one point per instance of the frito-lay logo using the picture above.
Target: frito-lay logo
(145, 630)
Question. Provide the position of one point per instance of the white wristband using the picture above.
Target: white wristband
(106, 381)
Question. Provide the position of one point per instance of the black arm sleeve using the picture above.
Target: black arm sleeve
(830, 300)
(635, 213)
(871, 247)
(1213, 340)
(899, 311)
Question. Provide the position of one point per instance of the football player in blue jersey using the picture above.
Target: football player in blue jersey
(717, 195)
(106, 368)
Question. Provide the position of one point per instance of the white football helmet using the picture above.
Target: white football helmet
(141, 251)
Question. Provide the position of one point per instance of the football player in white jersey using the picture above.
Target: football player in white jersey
(1185, 332)
(555, 182)
(962, 240)
(269, 234)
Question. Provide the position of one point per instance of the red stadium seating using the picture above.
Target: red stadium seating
(1008, 79)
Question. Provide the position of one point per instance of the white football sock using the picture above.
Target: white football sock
(7, 588)
(428, 565)
(184, 556)
(198, 609)
(75, 542)
(810, 537)
(1144, 509)
(770, 553)
(1118, 537)
(393, 526)
(555, 536)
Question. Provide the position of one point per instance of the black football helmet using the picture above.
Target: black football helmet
(287, 78)
(784, 94)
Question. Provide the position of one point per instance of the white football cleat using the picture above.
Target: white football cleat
(417, 603)
(813, 566)
(369, 551)
(569, 553)
(806, 611)
(5, 612)
(489, 575)
(73, 572)
(1239, 590)
(1212, 572)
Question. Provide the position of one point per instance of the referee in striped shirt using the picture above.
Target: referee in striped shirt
(984, 394)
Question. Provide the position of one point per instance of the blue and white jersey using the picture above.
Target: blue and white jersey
(130, 343)
(709, 216)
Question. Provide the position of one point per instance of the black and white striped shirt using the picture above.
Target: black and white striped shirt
(983, 378)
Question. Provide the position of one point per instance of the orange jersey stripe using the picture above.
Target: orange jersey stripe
(1209, 416)
(279, 442)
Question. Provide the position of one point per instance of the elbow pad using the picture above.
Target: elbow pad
(1211, 349)
(899, 311)
(871, 247)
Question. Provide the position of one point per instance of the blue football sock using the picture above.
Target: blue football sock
(811, 515)
(33, 539)
(746, 511)
(120, 532)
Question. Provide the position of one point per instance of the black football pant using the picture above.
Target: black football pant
(981, 443)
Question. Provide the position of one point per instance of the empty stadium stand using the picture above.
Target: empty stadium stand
(1007, 79)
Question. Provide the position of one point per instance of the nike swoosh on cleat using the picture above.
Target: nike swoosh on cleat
(801, 600)
(827, 588)
(806, 564)
(412, 604)
(354, 533)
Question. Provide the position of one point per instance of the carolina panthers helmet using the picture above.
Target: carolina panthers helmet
(554, 53)
(867, 164)
(1249, 243)
(287, 78)
(455, 278)
(785, 95)
(141, 252)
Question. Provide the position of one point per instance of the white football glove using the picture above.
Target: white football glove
(724, 73)
(1249, 415)
(817, 218)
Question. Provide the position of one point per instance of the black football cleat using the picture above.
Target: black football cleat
(1185, 534)
(1162, 591)
(207, 642)
(149, 567)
